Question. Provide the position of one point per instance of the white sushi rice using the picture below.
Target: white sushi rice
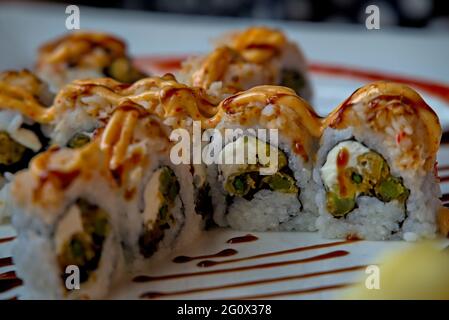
(6, 207)
(73, 122)
(43, 281)
(256, 215)
(373, 219)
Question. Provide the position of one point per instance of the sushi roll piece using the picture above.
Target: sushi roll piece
(84, 107)
(269, 186)
(83, 55)
(109, 207)
(66, 218)
(23, 117)
(159, 211)
(376, 166)
(248, 58)
(81, 108)
(189, 109)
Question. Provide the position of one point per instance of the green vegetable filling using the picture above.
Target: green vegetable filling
(10, 151)
(293, 79)
(248, 181)
(78, 140)
(390, 189)
(374, 179)
(154, 232)
(84, 249)
(281, 182)
(338, 206)
(121, 69)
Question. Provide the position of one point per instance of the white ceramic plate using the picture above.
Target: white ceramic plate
(289, 273)
(276, 265)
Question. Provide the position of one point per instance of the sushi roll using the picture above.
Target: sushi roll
(186, 108)
(23, 116)
(84, 107)
(270, 186)
(66, 218)
(248, 58)
(109, 207)
(376, 166)
(159, 212)
(83, 55)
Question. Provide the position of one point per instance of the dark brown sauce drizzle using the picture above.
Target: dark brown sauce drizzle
(8, 239)
(442, 168)
(210, 263)
(222, 253)
(8, 281)
(242, 239)
(8, 275)
(445, 197)
(6, 262)
(328, 255)
(154, 295)
(293, 292)
(445, 137)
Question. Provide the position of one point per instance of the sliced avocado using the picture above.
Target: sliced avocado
(293, 79)
(391, 189)
(203, 203)
(101, 226)
(169, 185)
(153, 233)
(282, 159)
(10, 151)
(374, 180)
(375, 168)
(77, 251)
(339, 207)
(78, 140)
(240, 184)
(84, 249)
(356, 178)
(121, 69)
(281, 182)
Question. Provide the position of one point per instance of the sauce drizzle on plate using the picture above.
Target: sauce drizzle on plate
(222, 253)
(242, 239)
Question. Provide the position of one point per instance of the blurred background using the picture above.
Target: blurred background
(405, 13)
